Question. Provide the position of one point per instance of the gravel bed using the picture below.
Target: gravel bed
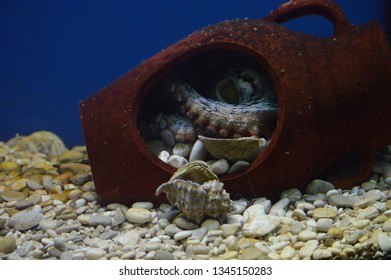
(48, 210)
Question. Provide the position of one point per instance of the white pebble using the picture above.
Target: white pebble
(282, 204)
(307, 235)
(176, 161)
(181, 149)
(164, 156)
(384, 242)
(138, 215)
(198, 152)
(143, 204)
(219, 167)
(182, 234)
(95, 253)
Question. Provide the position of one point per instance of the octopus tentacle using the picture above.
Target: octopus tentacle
(220, 119)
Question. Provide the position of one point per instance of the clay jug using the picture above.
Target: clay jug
(334, 99)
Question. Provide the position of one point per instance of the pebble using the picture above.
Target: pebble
(322, 254)
(368, 213)
(131, 237)
(319, 186)
(198, 152)
(219, 167)
(307, 235)
(7, 244)
(177, 161)
(47, 224)
(292, 194)
(182, 234)
(119, 217)
(251, 253)
(260, 225)
(11, 195)
(387, 225)
(324, 212)
(282, 204)
(164, 156)
(307, 250)
(94, 253)
(238, 166)
(96, 220)
(288, 253)
(229, 229)
(384, 242)
(138, 215)
(340, 200)
(23, 204)
(143, 204)
(181, 149)
(374, 195)
(163, 255)
(184, 223)
(368, 185)
(324, 224)
(337, 233)
(210, 224)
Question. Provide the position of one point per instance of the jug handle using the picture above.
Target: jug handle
(298, 8)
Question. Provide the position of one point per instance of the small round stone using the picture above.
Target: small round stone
(220, 167)
(138, 215)
(324, 212)
(324, 224)
(164, 156)
(95, 253)
(251, 253)
(288, 253)
(238, 166)
(177, 161)
(282, 204)
(292, 194)
(211, 224)
(319, 186)
(340, 200)
(7, 244)
(143, 204)
(384, 242)
(307, 235)
(229, 229)
(163, 255)
(387, 225)
(198, 152)
(181, 149)
(11, 195)
(99, 220)
(321, 254)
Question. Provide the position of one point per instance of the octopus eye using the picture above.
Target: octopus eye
(228, 91)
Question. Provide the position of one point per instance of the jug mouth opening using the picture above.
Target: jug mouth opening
(218, 105)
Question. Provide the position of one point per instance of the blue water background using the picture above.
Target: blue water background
(54, 54)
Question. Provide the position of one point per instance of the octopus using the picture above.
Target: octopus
(242, 104)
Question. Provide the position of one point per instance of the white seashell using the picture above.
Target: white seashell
(197, 200)
(25, 219)
(245, 148)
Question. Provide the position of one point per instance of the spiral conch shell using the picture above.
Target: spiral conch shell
(196, 191)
